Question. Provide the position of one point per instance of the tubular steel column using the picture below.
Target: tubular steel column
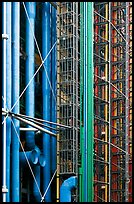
(127, 92)
(46, 95)
(15, 95)
(58, 103)
(109, 170)
(81, 169)
(85, 98)
(86, 141)
(53, 77)
(106, 105)
(130, 101)
(8, 95)
(29, 72)
(90, 114)
(5, 37)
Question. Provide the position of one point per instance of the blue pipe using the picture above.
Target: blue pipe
(30, 93)
(33, 157)
(15, 95)
(66, 187)
(85, 102)
(37, 169)
(42, 160)
(53, 116)
(46, 95)
(8, 97)
(36, 193)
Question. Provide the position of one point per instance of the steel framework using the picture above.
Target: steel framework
(112, 100)
(67, 89)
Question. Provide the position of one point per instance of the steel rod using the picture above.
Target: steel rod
(4, 187)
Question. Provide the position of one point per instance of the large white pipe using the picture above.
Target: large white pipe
(4, 37)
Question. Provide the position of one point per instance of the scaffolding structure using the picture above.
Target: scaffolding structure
(112, 61)
(67, 88)
(67, 101)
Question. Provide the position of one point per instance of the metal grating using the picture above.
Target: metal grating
(68, 86)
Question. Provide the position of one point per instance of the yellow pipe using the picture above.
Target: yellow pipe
(106, 105)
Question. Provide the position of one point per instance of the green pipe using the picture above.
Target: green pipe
(90, 126)
(90, 101)
(81, 187)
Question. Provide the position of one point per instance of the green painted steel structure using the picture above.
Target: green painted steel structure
(90, 114)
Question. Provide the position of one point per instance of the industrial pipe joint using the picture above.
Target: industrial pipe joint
(42, 160)
(32, 157)
(66, 188)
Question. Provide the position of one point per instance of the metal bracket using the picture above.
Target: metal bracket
(4, 189)
(5, 36)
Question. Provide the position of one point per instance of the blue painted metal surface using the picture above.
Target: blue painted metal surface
(54, 78)
(8, 97)
(66, 188)
(30, 92)
(46, 95)
(35, 189)
(15, 95)
(42, 160)
(31, 156)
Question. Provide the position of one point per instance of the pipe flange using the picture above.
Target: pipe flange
(4, 36)
(4, 189)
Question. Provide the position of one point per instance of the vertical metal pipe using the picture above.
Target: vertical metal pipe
(46, 95)
(58, 102)
(85, 102)
(127, 107)
(30, 93)
(109, 141)
(8, 96)
(53, 118)
(81, 170)
(106, 105)
(66, 188)
(4, 187)
(90, 100)
(36, 192)
(15, 94)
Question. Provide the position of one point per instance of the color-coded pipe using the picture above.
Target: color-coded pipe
(85, 102)
(53, 116)
(8, 96)
(46, 95)
(36, 192)
(66, 188)
(90, 93)
(106, 105)
(87, 116)
(15, 95)
(4, 37)
(81, 169)
(42, 160)
(58, 113)
(30, 91)
(32, 157)
(109, 117)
